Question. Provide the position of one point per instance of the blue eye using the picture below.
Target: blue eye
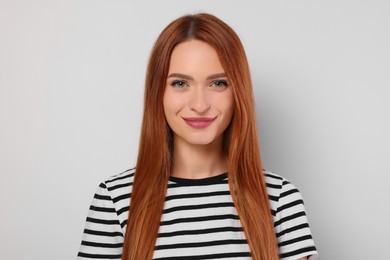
(220, 84)
(178, 84)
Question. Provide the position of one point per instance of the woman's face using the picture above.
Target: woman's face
(198, 101)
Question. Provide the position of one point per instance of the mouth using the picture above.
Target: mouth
(199, 122)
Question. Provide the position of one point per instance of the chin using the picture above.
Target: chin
(202, 143)
(201, 139)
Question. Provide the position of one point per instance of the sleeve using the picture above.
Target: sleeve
(103, 236)
(292, 227)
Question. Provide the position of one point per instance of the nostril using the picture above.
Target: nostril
(200, 108)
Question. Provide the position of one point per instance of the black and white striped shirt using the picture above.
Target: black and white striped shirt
(199, 220)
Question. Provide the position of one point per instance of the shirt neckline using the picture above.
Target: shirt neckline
(208, 180)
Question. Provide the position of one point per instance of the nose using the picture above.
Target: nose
(199, 102)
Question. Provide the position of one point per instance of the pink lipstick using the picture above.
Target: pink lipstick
(199, 122)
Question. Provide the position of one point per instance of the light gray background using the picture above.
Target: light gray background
(71, 91)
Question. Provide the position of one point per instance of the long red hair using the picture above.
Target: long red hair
(246, 181)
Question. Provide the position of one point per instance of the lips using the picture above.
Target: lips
(199, 122)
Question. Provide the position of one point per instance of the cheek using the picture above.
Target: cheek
(172, 104)
(227, 103)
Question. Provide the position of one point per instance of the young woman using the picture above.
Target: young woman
(198, 190)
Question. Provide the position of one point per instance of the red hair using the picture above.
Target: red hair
(246, 181)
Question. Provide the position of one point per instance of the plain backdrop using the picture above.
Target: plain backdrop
(71, 92)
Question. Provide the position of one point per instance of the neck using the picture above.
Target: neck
(197, 161)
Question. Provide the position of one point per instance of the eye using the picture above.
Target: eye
(179, 84)
(219, 84)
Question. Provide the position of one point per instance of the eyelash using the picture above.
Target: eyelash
(182, 84)
(176, 84)
(222, 82)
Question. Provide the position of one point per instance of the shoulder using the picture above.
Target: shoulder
(290, 220)
(277, 185)
(115, 188)
(120, 182)
(281, 192)
(114, 194)
(107, 217)
(125, 175)
(119, 188)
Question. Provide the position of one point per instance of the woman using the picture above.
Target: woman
(198, 190)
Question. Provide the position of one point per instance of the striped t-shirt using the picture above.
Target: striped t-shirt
(199, 220)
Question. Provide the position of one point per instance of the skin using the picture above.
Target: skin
(197, 87)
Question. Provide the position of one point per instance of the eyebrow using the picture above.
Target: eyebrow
(183, 76)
